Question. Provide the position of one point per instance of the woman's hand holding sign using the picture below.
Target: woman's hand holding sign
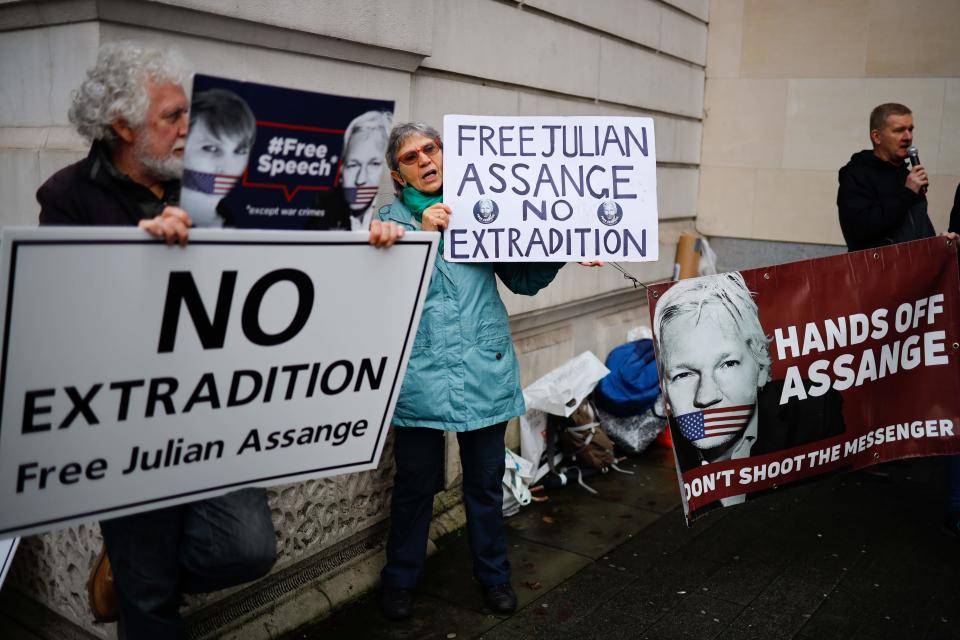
(436, 217)
(384, 234)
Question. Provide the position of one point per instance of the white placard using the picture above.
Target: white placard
(550, 188)
(137, 375)
(8, 547)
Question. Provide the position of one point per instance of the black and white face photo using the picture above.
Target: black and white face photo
(708, 366)
(609, 213)
(485, 211)
(714, 358)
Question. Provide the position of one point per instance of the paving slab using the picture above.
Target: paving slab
(502, 632)
(559, 610)
(433, 619)
(747, 574)
(653, 487)
(940, 630)
(608, 621)
(699, 617)
(661, 587)
(583, 525)
(790, 599)
(851, 557)
(535, 569)
(905, 587)
(667, 534)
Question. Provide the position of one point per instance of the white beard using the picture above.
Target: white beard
(169, 167)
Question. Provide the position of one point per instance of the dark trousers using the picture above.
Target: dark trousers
(953, 484)
(192, 548)
(419, 475)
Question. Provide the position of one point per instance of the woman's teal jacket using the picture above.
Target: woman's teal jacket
(463, 372)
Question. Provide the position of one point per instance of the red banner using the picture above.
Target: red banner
(777, 374)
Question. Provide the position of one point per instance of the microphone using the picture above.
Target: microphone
(915, 161)
(914, 156)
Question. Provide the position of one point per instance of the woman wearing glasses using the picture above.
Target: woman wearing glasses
(462, 376)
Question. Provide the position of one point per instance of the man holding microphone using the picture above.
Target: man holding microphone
(882, 201)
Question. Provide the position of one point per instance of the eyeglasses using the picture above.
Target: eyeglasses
(430, 149)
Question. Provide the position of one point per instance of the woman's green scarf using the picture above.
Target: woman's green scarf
(417, 201)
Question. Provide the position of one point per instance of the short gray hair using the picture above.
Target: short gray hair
(880, 113)
(729, 292)
(398, 136)
(116, 87)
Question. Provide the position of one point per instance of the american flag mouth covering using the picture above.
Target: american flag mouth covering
(716, 421)
(360, 195)
(217, 184)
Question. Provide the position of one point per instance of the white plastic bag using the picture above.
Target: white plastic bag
(533, 443)
(708, 259)
(559, 392)
(562, 390)
(533, 435)
(517, 476)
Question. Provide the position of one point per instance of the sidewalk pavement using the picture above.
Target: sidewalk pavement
(849, 557)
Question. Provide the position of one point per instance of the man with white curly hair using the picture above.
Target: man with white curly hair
(133, 108)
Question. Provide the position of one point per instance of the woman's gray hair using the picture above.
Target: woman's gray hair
(116, 87)
(398, 136)
(729, 292)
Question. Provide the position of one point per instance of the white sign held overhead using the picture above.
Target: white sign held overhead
(550, 189)
(137, 375)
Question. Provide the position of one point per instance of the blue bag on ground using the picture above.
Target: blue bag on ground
(632, 385)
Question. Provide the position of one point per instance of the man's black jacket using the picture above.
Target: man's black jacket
(93, 192)
(876, 209)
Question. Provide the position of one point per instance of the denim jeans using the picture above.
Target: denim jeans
(419, 459)
(191, 548)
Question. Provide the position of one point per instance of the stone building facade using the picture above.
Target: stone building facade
(497, 57)
(789, 90)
